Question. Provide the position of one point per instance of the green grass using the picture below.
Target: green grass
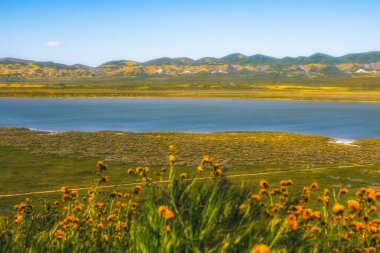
(35, 161)
(193, 215)
(213, 86)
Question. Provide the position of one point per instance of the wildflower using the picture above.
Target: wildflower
(18, 219)
(345, 237)
(264, 184)
(111, 217)
(99, 205)
(326, 192)
(171, 158)
(216, 165)
(74, 194)
(130, 171)
(105, 237)
(275, 191)
(218, 172)
(372, 209)
(324, 199)
(139, 170)
(373, 229)
(206, 159)
(371, 249)
(316, 229)
(137, 189)
(283, 182)
(59, 234)
(289, 182)
(100, 226)
(164, 169)
(167, 228)
(260, 248)
(353, 204)
(343, 190)
(338, 209)
(200, 169)
(102, 166)
(65, 197)
(357, 225)
(166, 211)
(20, 207)
(183, 176)
(255, 197)
(316, 214)
(56, 203)
(64, 189)
(171, 147)
(314, 186)
(242, 206)
(292, 222)
(103, 179)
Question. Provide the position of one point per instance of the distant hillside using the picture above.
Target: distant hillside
(316, 65)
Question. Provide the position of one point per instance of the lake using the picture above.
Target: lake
(343, 120)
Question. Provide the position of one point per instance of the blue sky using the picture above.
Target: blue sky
(95, 31)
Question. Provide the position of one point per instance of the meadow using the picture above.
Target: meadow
(343, 88)
(201, 194)
(201, 208)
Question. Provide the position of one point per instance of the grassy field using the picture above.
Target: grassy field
(36, 161)
(208, 207)
(216, 86)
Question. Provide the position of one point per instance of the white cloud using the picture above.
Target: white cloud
(53, 43)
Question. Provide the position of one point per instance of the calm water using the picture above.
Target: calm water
(344, 120)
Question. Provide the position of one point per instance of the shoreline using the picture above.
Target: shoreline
(192, 97)
(332, 140)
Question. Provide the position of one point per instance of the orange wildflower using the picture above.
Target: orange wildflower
(255, 197)
(64, 189)
(264, 184)
(353, 204)
(18, 219)
(59, 234)
(338, 209)
(183, 176)
(260, 248)
(218, 172)
(242, 206)
(166, 212)
(314, 186)
(138, 188)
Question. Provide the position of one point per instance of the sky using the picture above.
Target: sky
(92, 32)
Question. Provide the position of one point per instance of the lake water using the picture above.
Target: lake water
(344, 120)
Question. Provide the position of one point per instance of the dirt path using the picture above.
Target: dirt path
(166, 181)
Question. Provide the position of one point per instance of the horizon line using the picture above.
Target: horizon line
(185, 57)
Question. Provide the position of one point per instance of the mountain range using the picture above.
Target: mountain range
(315, 65)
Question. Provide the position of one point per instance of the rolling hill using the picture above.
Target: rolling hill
(316, 65)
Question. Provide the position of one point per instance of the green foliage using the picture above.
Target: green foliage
(193, 215)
